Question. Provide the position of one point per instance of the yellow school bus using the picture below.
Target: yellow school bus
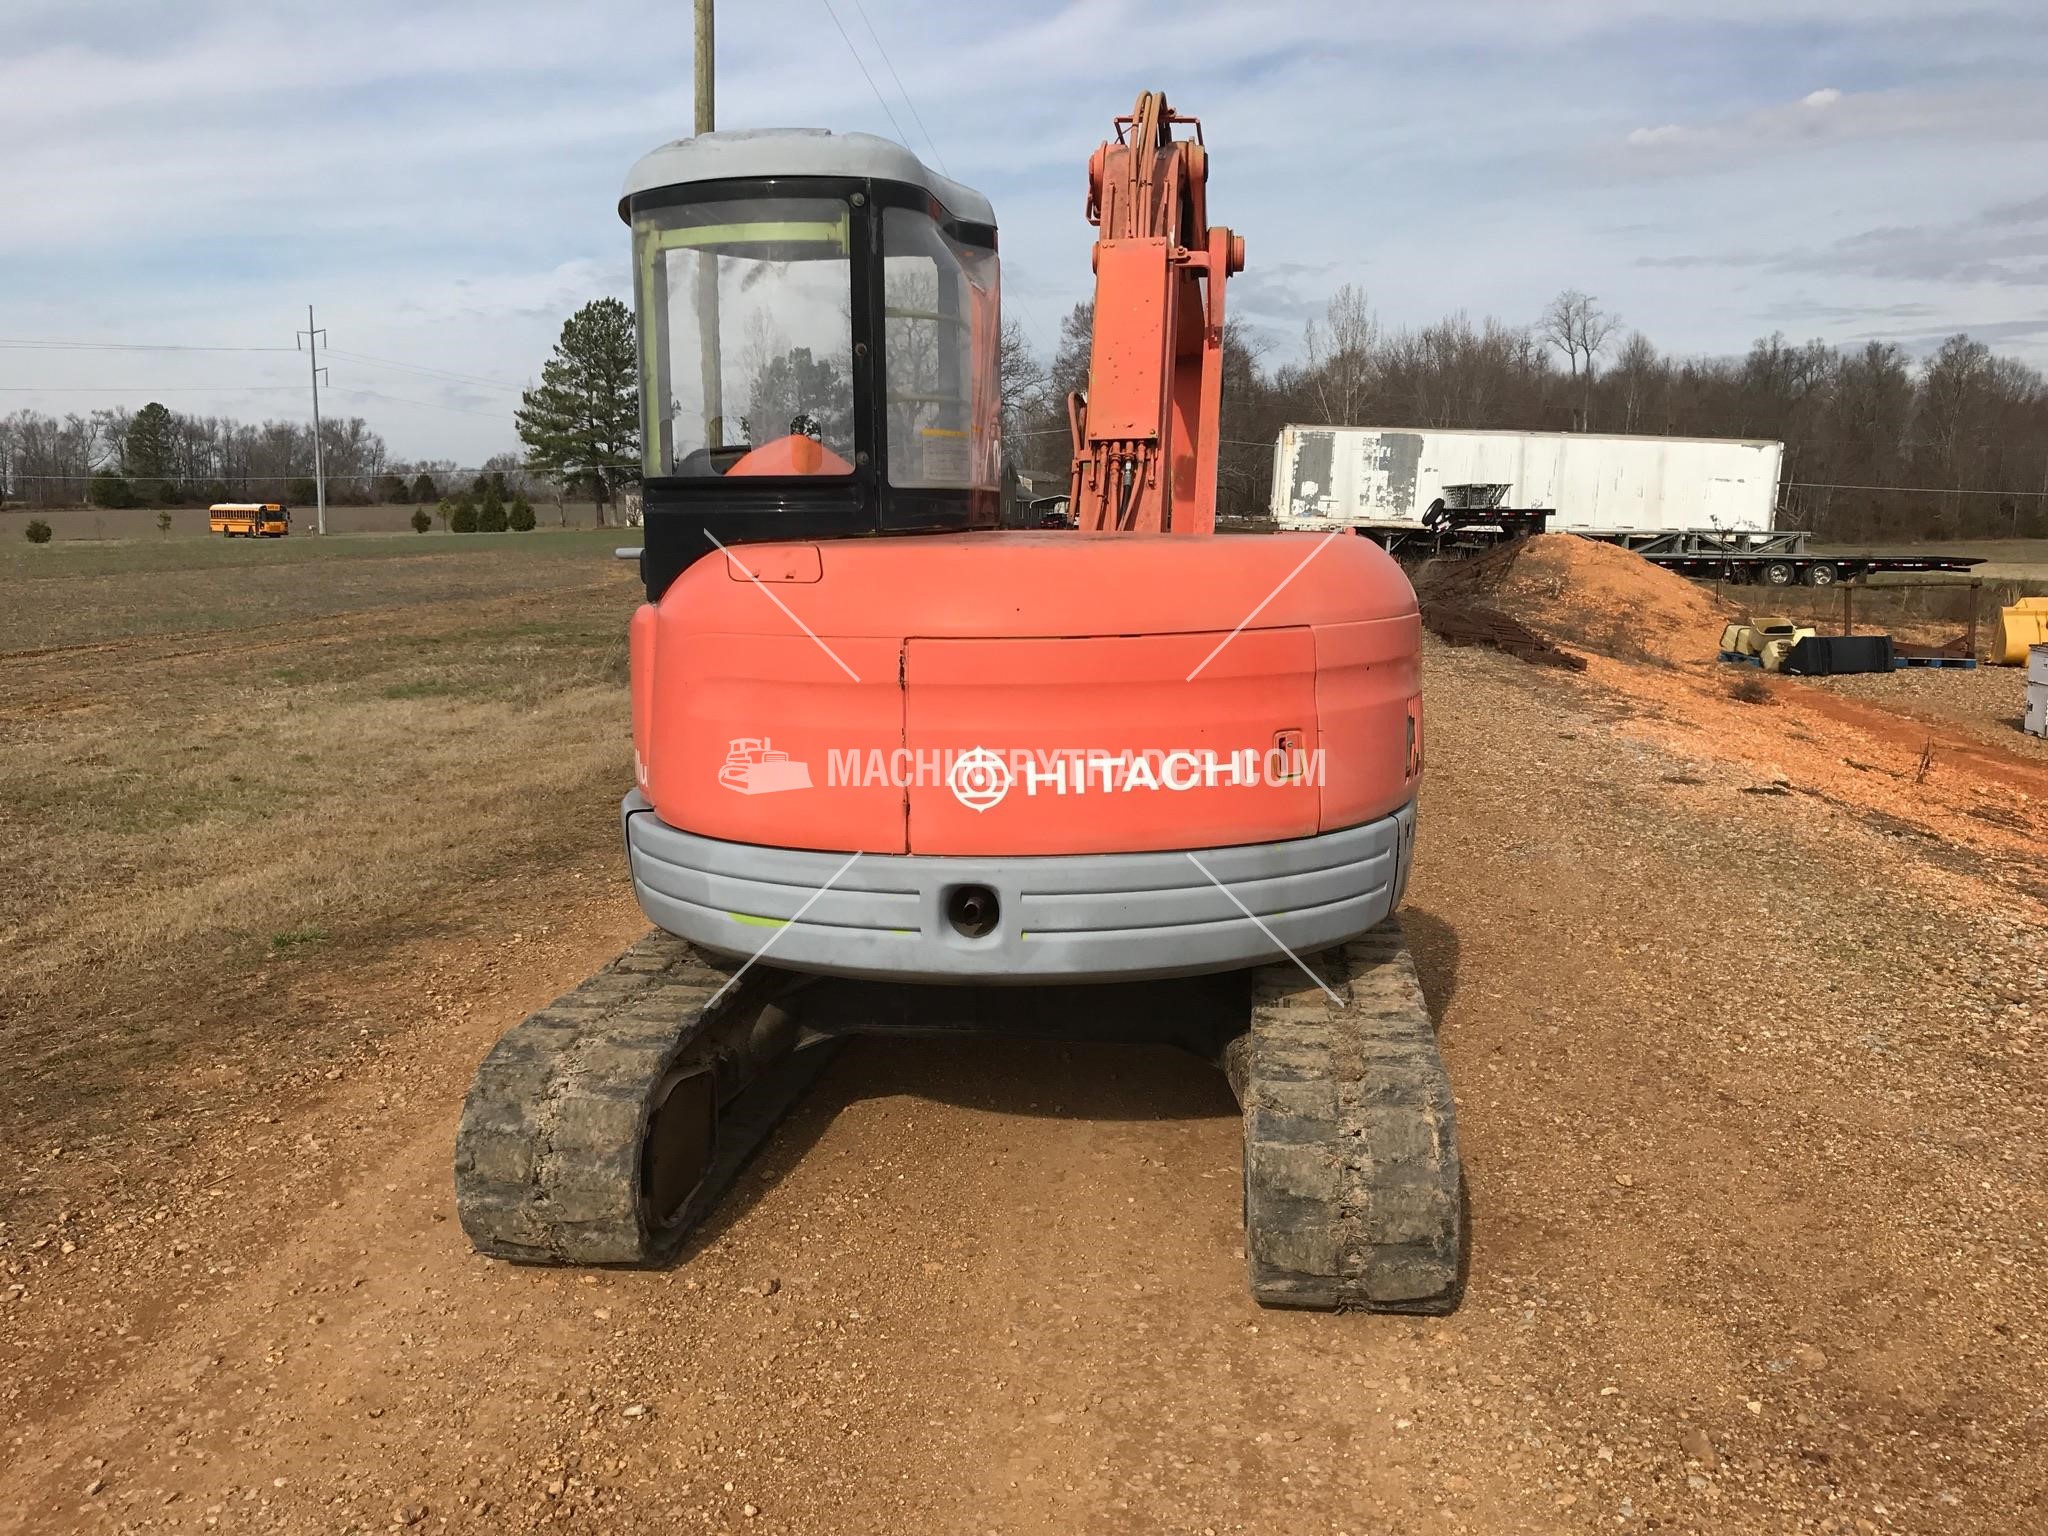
(250, 519)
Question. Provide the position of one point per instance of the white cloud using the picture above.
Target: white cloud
(439, 176)
(2012, 112)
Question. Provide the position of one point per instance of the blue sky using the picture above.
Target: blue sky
(441, 179)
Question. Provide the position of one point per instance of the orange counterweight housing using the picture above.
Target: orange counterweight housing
(1029, 693)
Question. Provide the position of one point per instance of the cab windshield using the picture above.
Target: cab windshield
(746, 345)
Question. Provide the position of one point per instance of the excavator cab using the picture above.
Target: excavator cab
(819, 327)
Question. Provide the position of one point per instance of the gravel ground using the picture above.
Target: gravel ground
(1986, 701)
(1750, 1096)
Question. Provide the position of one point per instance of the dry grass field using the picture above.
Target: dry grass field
(217, 759)
(1741, 992)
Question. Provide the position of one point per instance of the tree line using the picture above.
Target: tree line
(1878, 444)
(158, 457)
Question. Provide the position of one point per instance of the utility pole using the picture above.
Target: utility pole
(705, 114)
(710, 368)
(309, 340)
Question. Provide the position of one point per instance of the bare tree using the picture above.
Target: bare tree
(1023, 382)
(1577, 326)
(1340, 355)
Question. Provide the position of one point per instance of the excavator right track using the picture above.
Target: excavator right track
(1353, 1190)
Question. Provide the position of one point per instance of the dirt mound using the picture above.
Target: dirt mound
(1598, 597)
(1472, 624)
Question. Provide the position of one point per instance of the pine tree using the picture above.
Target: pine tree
(423, 490)
(146, 450)
(581, 426)
(490, 511)
(111, 490)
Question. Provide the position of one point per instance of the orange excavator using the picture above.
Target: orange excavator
(900, 770)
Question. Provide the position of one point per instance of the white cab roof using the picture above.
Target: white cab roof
(750, 153)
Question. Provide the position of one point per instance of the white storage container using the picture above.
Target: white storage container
(1389, 476)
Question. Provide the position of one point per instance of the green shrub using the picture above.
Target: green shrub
(490, 512)
(421, 521)
(163, 522)
(521, 515)
(423, 488)
(37, 531)
(463, 518)
(111, 490)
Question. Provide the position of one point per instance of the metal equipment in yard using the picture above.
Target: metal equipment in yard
(1483, 506)
(1779, 559)
(2021, 627)
(1130, 782)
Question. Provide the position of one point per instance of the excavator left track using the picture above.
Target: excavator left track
(602, 1128)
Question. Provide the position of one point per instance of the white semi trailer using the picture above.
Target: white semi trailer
(1388, 477)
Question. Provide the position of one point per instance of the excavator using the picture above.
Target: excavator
(899, 770)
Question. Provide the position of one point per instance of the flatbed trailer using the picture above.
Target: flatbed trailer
(1775, 559)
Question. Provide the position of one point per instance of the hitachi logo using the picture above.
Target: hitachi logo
(981, 779)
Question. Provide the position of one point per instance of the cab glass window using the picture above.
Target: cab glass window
(940, 351)
(746, 349)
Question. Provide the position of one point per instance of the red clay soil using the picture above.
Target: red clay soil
(1655, 636)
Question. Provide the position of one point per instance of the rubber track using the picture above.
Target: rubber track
(547, 1157)
(1354, 1196)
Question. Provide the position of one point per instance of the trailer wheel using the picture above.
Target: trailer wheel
(1821, 574)
(1779, 573)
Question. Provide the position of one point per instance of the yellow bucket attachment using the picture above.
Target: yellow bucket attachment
(2022, 625)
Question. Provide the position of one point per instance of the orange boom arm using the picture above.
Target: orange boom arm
(1145, 432)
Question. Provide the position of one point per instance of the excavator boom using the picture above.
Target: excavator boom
(1145, 432)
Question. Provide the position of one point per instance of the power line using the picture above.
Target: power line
(863, 68)
(884, 52)
(243, 477)
(373, 394)
(359, 357)
(129, 389)
(423, 370)
(238, 477)
(124, 346)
